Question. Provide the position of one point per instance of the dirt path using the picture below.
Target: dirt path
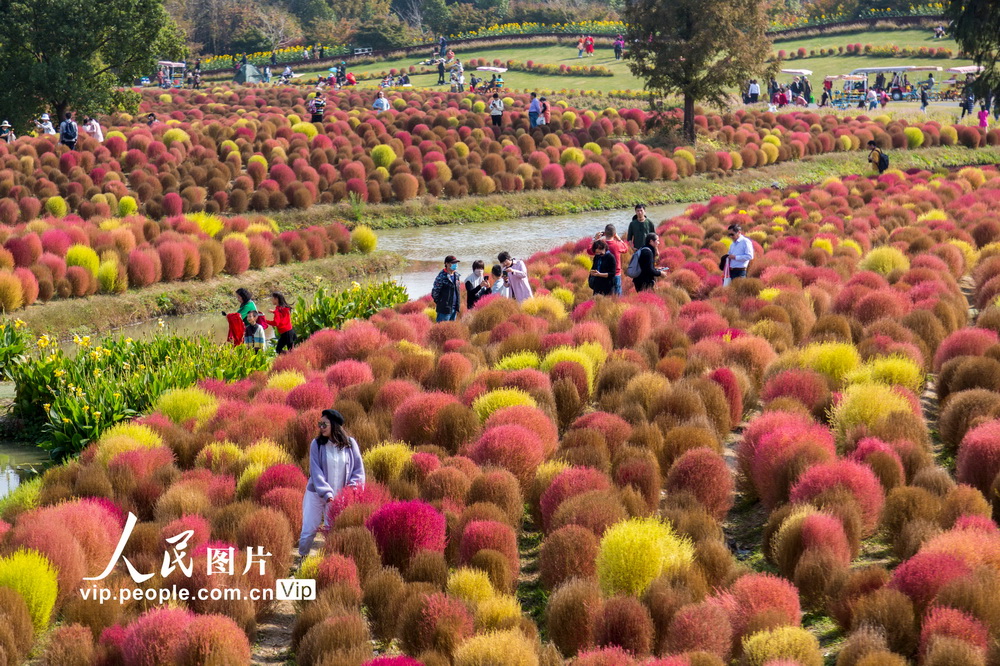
(274, 633)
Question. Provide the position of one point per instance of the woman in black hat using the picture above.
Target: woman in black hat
(334, 464)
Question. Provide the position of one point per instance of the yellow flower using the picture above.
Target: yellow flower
(96, 414)
(86, 408)
(43, 342)
(47, 406)
(18, 323)
(59, 373)
(65, 420)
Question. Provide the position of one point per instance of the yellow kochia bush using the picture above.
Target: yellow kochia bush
(865, 404)
(386, 462)
(635, 552)
(490, 402)
(182, 405)
(884, 260)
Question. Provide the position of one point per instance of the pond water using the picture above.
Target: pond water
(17, 461)
(426, 247)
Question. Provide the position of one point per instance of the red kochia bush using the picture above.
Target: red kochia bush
(155, 636)
(415, 420)
(279, 476)
(489, 534)
(964, 342)
(704, 474)
(754, 595)
(624, 622)
(372, 493)
(807, 386)
(726, 378)
(857, 478)
(213, 639)
(568, 552)
(566, 484)
(337, 569)
(952, 623)
(979, 456)
(704, 627)
(402, 529)
(237, 256)
(531, 418)
(923, 575)
(513, 447)
(615, 429)
(311, 395)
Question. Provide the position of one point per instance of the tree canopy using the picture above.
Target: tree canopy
(700, 49)
(976, 27)
(57, 55)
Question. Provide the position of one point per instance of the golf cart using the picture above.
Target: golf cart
(853, 88)
(899, 86)
(173, 73)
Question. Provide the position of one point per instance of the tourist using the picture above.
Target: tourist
(444, 293)
(646, 257)
(189, 79)
(807, 90)
(500, 282)
(924, 99)
(282, 322)
(877, 158)
(68, 131)
(883, 98)
(246, 304)
(476, 285)
(824, 98)
(6, 133)
(969, 103)
(151, 119)
(753, 92)
(381, 103)
(440, 72)
(984, 118)
(496, 110)
(545, 113)
(92, 127)
(515, 274)
(267, 73)
(603, 270)
(872, 99)
(639, 227)
(588, 45)
(334, 464)
(740, 252)
(253, 332)
(197, 78)
(579, 47)
(317, 108)
(619, 45)
(442, 46)
(45, 124)
(461, 81)
(534, 107)
(616, 248)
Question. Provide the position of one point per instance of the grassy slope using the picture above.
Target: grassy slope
(430, 211)
(623, 79)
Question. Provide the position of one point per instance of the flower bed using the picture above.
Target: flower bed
(267, 157)
(64, 256)
(584, 411)
(874, 51)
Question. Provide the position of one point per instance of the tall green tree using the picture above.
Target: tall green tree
(975, 25)
(57, 55)
(699, 49)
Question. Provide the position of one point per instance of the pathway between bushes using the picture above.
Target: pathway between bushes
(274, 633)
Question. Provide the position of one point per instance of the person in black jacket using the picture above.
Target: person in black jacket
(445, 290)
(440, 72)
(602, 273)
(476, 285)
(648, 254)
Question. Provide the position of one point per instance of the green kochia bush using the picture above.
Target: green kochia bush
(32, 576)
(636, 552)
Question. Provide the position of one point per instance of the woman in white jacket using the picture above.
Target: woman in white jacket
(334, 464)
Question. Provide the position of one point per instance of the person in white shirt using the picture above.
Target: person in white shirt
(45, 125)
(501, 284)
(740, 252)
(754, 91)
(381, 103)
(496, 110)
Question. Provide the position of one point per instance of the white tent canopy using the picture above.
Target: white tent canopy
(167, 63)
(896, 68)
(968, 69)
(797, 72)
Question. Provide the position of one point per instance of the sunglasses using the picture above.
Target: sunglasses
(323, 424)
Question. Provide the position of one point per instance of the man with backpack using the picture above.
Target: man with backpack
(639, 227)
(317, 107)
(878, 158)
(68, 131)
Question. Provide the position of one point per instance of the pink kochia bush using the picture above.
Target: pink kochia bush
(402, 529)
(979, 456)
(856, 478)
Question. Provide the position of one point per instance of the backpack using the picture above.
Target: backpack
(633, 270)
(68, 130)
(883, 161)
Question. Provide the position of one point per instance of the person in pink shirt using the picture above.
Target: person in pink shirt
(517, 276)
(984, 118)
(616, 248)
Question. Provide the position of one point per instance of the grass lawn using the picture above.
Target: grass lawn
(623, 79)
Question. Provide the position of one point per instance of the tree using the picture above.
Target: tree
(61, 54)
(700, 49)
(975, 24)
(276, 26)
(436, 16)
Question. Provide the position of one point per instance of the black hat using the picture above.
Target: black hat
(334, 416)
(451, 259)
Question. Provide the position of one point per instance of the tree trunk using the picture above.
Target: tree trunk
(60, 109)
(689, 118)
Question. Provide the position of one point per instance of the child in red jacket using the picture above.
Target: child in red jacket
(282, 322)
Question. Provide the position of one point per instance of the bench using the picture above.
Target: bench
(363, 51)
